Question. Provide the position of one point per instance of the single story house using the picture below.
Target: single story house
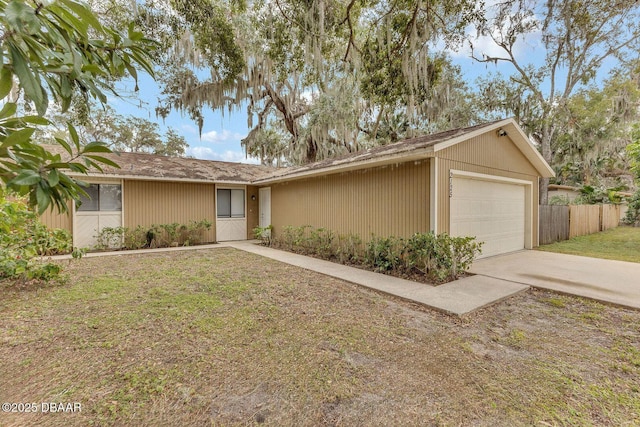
(565, 192)
(478, 181)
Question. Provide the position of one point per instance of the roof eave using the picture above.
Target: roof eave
(158, 178)
(516, 134)
(400, 157)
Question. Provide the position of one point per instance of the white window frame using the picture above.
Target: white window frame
(231, 204)
(76, 213)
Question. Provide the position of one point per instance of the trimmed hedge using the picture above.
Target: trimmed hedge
(440, 258)
(156, 236)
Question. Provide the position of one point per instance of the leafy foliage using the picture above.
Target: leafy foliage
(632, 216)
(118, 132)
(590, 150)
(577, 37)
(50, 53)
(590, 195)
(156, 236)
(24, 240)
(440, 257)
(633, 211)
(384, 253)
(264, 234)
(318, 78)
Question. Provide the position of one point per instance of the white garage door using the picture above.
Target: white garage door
(493, 212)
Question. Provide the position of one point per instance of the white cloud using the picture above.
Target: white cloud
(189, 128)
(207, 153)
(215, 136)
(483, 45)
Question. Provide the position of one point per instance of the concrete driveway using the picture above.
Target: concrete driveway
(615, 282)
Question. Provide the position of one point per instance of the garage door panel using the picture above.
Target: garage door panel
(493, 212)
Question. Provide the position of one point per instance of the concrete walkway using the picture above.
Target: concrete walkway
(458, 297)
(613, 282)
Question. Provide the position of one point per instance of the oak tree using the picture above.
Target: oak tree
(576, 37)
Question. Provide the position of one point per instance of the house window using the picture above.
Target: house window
(230, 203)
(102, 197)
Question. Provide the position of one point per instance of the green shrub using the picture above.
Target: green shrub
(193, 234)
(156, 236)
(110, 238)
(135, 238)
(420, 252)
(320, 242)
(632, 216)
(294, 238)
(441, 257)
(384, 253)
(349, 249)
(24, 241)
(164, 235)
(264, 234)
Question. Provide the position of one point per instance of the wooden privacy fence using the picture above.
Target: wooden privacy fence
(610, 216)
(564, 222)
(554, 223)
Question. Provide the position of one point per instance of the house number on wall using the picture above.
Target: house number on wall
(450, 184)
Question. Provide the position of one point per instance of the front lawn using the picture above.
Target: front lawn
(224, 337)
(621, 243)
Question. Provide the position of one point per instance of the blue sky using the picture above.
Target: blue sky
(221, 134)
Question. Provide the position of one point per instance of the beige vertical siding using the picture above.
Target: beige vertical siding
(486, 154)
(152, 202)
(491, 151)
(390, 200)
(53, 219)
(252, 210)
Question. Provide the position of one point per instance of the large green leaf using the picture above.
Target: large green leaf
(96, 147)
(53, 178)
(6, 82)
(29, 80)
(43, 199)
(8, 110)
(35, 120)
(83, 13)
(104, 160)
(18, 137)
(26, 177)
(74, 134)
(22, 17)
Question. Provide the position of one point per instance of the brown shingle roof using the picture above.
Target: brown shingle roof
(399, 147)
(177, 168)
(152, 166)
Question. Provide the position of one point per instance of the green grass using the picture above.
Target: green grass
(621, 243)
(224, 337)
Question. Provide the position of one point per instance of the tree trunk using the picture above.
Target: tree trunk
(312, 151)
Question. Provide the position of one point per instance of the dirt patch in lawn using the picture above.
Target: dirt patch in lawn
(224, 337)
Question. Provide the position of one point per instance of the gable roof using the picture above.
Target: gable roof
(155, 167)
(415, 149)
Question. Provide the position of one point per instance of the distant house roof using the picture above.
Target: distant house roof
(155, 167)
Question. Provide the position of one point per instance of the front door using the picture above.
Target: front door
(265, 207)
(231, 219)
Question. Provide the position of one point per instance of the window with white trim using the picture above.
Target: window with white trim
(102, 197)
(230, 203)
